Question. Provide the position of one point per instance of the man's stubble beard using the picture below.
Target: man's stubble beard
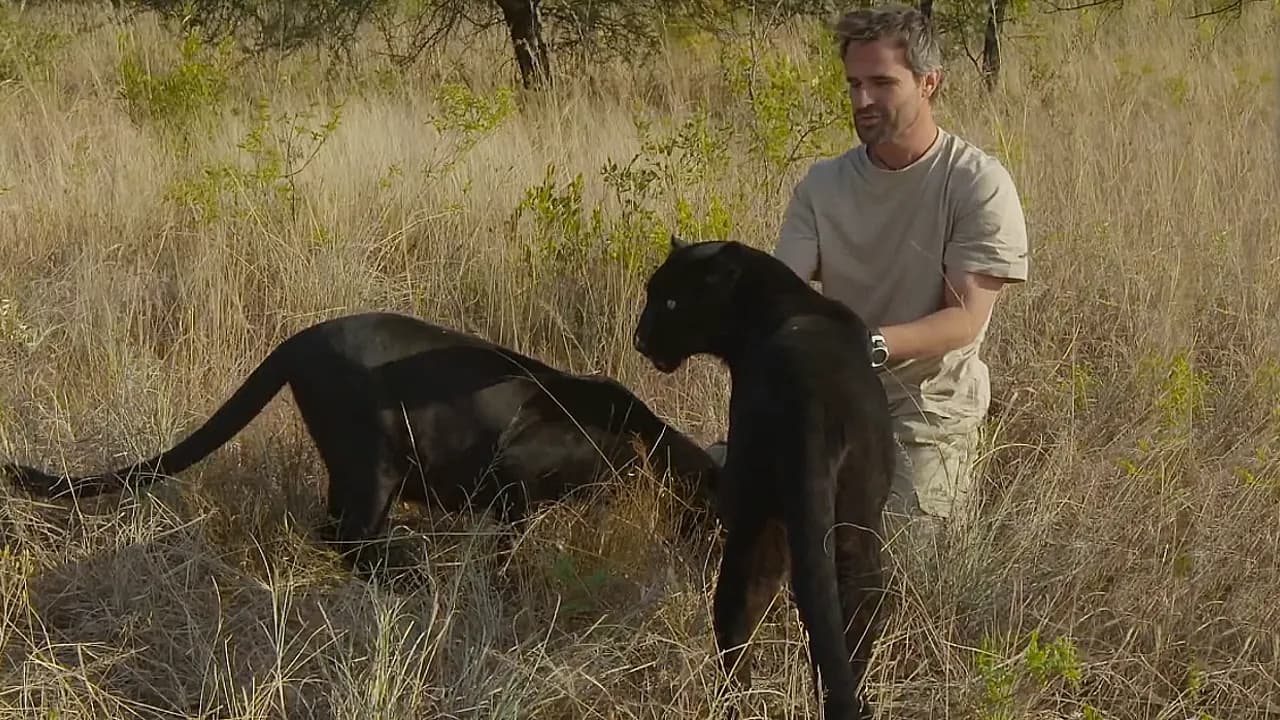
(869, 136)
(873, 133)
(884, 129)
(891, 125)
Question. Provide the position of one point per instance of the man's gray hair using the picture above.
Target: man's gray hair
(905, 25)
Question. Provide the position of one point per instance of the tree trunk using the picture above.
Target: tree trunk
(532, 57)
(991, 43)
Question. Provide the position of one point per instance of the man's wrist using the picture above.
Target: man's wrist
(878, 348)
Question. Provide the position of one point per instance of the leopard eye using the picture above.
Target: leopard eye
(671, 304)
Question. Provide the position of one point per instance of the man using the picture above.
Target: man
(917, 231)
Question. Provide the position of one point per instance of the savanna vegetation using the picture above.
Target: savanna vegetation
(175, 202)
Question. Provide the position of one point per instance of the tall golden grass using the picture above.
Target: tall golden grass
(1127, 561)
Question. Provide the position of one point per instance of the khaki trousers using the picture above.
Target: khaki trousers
(934, 473)
(933, 477)
(932, 487)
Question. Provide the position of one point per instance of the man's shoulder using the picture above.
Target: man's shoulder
(972, 169)
(989, 229)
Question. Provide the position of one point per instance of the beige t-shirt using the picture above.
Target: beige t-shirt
(880, 240)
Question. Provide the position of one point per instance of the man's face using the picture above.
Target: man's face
(886, 96)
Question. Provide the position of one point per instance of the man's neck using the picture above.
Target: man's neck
(902, 151)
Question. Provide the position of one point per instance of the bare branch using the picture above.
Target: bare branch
(1056, 8)
(1233, 7)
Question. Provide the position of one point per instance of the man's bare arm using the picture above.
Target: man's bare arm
(969, 300)
(987, 250)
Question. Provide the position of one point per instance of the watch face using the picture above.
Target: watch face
(879, 353)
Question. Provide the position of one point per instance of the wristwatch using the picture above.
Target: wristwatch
(879, 349)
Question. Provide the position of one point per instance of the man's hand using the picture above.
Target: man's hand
(968, 300)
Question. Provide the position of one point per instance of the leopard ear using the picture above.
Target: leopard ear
(678, 243)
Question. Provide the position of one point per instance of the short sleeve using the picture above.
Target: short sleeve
(990, 232)
(797, 244)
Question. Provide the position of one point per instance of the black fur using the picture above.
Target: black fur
(810, 452)
(385, 396)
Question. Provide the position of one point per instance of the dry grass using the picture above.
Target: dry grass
(1132, 492)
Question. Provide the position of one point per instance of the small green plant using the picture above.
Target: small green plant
(1053, 661)
(277, 148)
(998, 678)
(394, 172)
(565, 233)
(1266, 379)
(462, 113)
(791, 104)
(24, 47)
(1082, 382)
(1183, 565)
(1002, 669)
(562, 229)
(1177, 88)
(177, 98)
(689, 156)
(715, 224)
(1195, 687)
(1259, 471)
(673, 169)
(1129, 467)
(1090, 19)
(1182, 393)
(578, 592)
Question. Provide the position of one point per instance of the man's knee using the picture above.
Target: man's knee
(944, 484)
(934, 476)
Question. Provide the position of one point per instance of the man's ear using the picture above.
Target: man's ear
(929, 83)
